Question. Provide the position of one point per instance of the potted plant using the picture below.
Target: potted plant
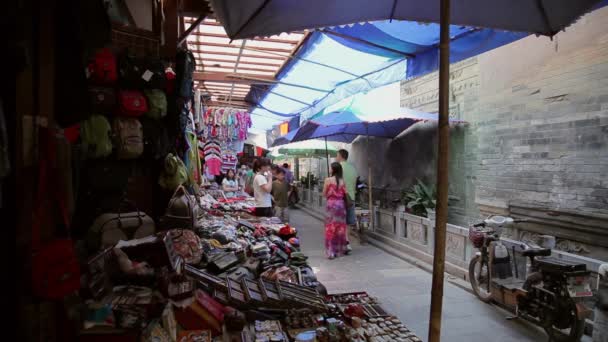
(420, 200)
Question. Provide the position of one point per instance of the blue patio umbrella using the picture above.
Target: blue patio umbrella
(246, 19)
(346, 126)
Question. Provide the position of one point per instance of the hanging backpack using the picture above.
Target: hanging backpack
(131, 103)
(130, 71)
(153, 75)
(103, 69)
(156, 139)
(174, 173)
(157, 103)
(95, 135)
(102, 99)
(129, 138)
(185, 64)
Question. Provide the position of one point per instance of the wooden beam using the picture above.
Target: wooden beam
(232, 77)
(241, 68)
(170, 29)
(269, 40)
(234, 54)
(225, 86)
(231, 46)
(242, 62)
(193, 26)
(194, 8)
(238, 90)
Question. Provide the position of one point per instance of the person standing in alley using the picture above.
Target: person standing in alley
(334, 190)
(279, 194)
(288, 174)
(350, 180)
(262, 187)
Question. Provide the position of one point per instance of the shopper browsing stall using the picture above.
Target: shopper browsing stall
(280, 189)
(334, 190)
(262, 187)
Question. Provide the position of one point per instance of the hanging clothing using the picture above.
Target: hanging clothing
(212, 152)
(335, 221)
(229, 161)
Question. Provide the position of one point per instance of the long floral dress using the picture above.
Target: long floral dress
(335, 221)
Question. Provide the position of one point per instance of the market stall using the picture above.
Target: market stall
(232, 275)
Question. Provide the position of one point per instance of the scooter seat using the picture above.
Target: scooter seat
(536, 252)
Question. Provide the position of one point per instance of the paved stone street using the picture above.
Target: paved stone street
(405, 291)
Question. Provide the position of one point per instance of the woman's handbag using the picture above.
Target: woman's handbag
(182, 212)
(109, 228)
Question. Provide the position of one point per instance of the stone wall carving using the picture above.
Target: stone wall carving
(416, 232)
(455, 245)
(571, 247)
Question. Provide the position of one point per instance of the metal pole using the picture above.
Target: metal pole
(236, 64)
(443, 134)
(327, 156)
(369, 191)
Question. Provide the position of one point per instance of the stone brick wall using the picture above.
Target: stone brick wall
(537, 133)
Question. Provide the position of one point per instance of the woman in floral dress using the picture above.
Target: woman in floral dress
(334, 190)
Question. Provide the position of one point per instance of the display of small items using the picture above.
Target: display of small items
(269, 331)
(350, 298)
(303, 319)
(382, 329)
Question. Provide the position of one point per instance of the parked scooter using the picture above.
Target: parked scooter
(548, 292)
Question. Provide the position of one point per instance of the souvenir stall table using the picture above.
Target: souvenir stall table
(233, 277)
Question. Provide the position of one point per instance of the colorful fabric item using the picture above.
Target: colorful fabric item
(214, 166)
(335, 221)
(229, 161)
(225, 124)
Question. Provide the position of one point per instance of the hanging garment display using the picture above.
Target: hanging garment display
(229, 161)
(213, 157)
(226, 124)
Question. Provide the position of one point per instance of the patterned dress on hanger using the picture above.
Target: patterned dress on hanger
(335, 221)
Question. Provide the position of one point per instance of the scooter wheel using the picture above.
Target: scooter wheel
(479, 277)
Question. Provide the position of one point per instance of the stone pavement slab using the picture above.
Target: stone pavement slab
(405, 290)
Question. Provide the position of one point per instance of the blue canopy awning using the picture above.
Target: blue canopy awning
(419, 42)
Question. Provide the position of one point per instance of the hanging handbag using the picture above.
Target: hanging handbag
(110, 228)
(55, 267)
(182, 212)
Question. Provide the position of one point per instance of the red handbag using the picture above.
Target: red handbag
(55, 267)
(132, 103)
(103, 69)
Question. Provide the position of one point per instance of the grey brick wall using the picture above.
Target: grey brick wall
(537, 113)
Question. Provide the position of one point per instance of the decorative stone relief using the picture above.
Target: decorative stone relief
(561, 245)
(455, 245)
(508, 233)
(416, 232)
(571, 247)
(529, 237)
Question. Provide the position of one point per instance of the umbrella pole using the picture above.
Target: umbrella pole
(443, 133)
(327, 156)
(369, 192)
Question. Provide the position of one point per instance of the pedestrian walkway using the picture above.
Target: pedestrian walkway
(405, 291)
